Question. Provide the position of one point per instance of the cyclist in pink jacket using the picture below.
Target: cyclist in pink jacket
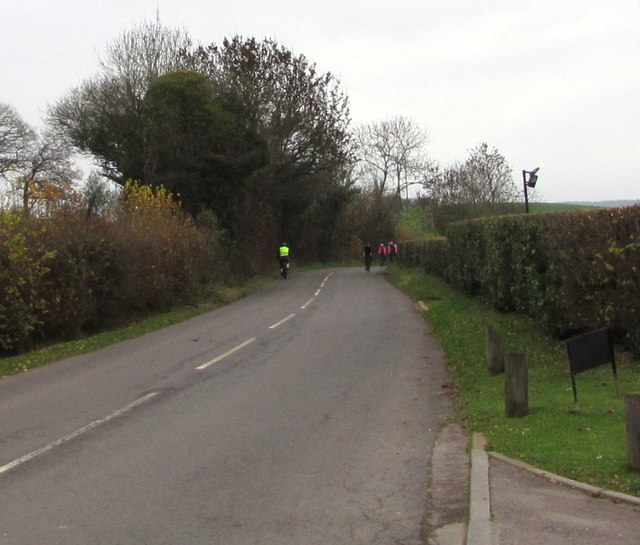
(382, 253)
(392, 250)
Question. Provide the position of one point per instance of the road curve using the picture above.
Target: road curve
(303, 414)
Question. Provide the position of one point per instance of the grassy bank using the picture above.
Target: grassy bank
(586, 442)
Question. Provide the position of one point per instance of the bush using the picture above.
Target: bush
(162, 256)
(68, 274)
(81, 281)
(598, 264)
(571, 271)
(431, 255)
(23, 265)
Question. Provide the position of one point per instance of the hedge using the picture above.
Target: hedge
(571, 271)
(67, 274)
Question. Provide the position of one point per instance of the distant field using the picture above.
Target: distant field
(543, 208)
(559, 207)
(416, 221)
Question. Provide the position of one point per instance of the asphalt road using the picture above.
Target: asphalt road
(304, 414)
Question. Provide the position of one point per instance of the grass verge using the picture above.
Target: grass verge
(215, 297)
(586, 442)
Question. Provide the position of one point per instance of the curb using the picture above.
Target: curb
(480, 527)
(587, 488)
(447, 510)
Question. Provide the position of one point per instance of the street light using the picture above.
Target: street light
(529, 182)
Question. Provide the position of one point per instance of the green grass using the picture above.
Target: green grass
(544, 208)
(586, 442)
(412, 223)
(216, 296)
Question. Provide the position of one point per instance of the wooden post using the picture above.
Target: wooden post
(516, 401)
(633, 430)
(495, 351)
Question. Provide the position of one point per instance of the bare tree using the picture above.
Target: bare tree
(484, 177)
(139, 56)
(392, 155)
(37, 167)
(450, 186)
(105, 116)
(45, 175)
(15, 138)
(490, 175)
(99, 195)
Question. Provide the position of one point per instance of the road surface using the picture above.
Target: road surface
(303, 414)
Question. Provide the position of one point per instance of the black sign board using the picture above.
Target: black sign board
(589, 351)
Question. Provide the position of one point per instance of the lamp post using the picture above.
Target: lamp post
(529, 179)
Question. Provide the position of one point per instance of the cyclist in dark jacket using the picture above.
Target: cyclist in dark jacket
(368, 256)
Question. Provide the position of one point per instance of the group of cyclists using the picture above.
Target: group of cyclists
(385, 251)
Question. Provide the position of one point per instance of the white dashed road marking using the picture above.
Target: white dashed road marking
(77, 433)
(227, 353)
(282, 321)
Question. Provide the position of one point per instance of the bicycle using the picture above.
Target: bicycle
(367, 262)
(284, 268)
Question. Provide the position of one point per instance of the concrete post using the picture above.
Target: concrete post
(516, 385)
(633, 430)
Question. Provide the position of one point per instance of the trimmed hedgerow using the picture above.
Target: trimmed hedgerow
(571, 271)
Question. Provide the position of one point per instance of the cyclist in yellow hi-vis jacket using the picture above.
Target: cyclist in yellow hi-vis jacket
(283, 258)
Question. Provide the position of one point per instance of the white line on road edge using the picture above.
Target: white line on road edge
(282, 321)
(227, 353)
(317, 293)
(77, 433)
(307, 303)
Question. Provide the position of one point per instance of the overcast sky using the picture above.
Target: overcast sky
(553, 84)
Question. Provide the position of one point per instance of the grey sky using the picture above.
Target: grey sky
(551, 83)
